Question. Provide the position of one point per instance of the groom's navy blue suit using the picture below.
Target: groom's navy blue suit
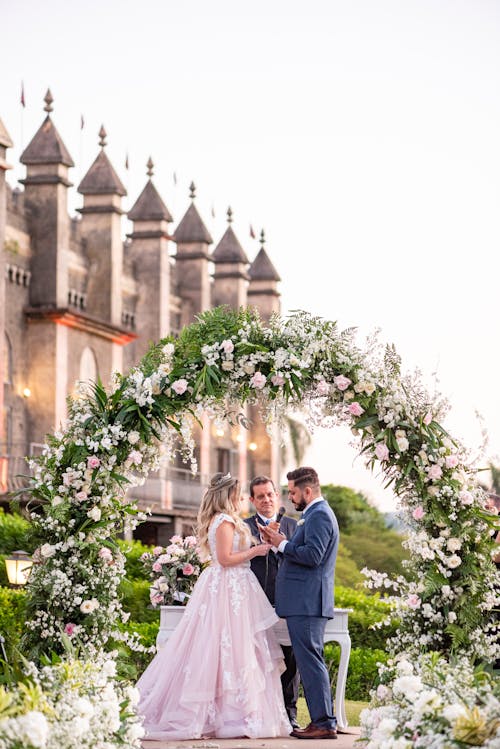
(304, 597)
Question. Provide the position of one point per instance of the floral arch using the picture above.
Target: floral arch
(112, 441)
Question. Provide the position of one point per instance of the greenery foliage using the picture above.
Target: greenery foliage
(12, 617)
(362, 675)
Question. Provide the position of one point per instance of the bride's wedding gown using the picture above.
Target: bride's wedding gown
(219, 673)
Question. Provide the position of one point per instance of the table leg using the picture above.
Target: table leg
(345, 651)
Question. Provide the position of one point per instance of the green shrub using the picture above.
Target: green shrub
(368, 609)
(346, 572)
(131, 663)
(135, 600)
(14, 533)
(362, 674)
(376, 549)
(12, 617)
(134, 569)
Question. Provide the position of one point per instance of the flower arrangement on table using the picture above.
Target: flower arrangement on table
(174, 571)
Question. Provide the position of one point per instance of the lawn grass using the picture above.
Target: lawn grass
(352, 710)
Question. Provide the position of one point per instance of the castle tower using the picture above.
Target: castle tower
(263, 289)
(149, 250)
(46, 197)
(192, 262)
(263, 293)
(230, 277)
(5, 143)
(102, 193)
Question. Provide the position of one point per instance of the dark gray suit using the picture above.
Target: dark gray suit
(266, 570)
(304, 597)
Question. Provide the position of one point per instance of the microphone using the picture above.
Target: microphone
(280, 514)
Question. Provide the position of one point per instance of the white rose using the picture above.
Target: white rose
(249, 368)
(454, 711)
(404, 667)
(452, 617)
(47, 550)
(454, 544)
(369, 388)
(94, 514)
(453, 561)
(402, 444)
(133, 437)
(33, 729)
(227, 365)
(408, 687)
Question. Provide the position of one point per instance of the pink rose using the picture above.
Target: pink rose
(188, 569)
(81, 496)
(258, 380)
(190, 541)
(451, 461)
(105, 553)
(156, 567)
(157, 550)
(413, 601)
(418, 513)
(135, 457)
(322, 387)
(227, 346)
(427, 418)
(176, 539)
(278, 380)
(466, 497)
(355, 409)
(156, 599)
(93, 462)
(341, 382)
(69, 628)
(434, 472)
(180, 386)
(382, 452)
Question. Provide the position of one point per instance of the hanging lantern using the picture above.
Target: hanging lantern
(18, 568)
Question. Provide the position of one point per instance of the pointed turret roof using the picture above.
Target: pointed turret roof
(262, 268)
(5, 139)
(149, 206)
(101, 178)
(229, 250)
(191, 227)
(47, 146)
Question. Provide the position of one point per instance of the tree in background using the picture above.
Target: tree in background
(363, 531)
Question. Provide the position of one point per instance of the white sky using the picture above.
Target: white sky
(363, 135)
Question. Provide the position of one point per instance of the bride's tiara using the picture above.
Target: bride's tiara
(218, 481)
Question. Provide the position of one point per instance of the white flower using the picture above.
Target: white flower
(402, 444)
(249, 368)
(227, 365)
(454, 544)
(404, 667)
(47, 550)
(94, 514)
(452, 617)
(133, 437)
(33, 729)
(301, 522)
(408, 687)
(89, 606)
(454, 561)
(453, 711)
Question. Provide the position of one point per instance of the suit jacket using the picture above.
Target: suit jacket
(266, 568)
(305, 580)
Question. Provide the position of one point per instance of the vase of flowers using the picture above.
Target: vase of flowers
(173, 570)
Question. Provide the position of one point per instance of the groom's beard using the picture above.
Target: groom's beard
(301, 504)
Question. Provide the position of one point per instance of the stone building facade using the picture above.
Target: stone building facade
(80, 300)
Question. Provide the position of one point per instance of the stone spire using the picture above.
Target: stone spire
(262, 268)
(263, 288)
(230, 276)
(229, 250)
(149, 206)
(47, 146)
(101, 178)
(191, 228)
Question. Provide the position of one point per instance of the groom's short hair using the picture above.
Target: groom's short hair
(304, 476)
(260, 480)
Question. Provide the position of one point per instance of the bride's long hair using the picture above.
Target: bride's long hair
(220, 497)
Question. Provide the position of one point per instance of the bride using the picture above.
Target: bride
(219, 673)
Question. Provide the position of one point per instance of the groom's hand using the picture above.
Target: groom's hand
(271, 535)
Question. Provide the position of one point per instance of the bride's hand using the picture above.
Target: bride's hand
(261, 550)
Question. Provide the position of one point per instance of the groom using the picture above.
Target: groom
(304, 594)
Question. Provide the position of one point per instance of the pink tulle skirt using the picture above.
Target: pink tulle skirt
(219, 673)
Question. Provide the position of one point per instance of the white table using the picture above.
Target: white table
(337, 630)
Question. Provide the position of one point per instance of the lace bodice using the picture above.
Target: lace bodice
(236, 539)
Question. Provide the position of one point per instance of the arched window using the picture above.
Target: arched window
(88, 365)
(7, 361)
